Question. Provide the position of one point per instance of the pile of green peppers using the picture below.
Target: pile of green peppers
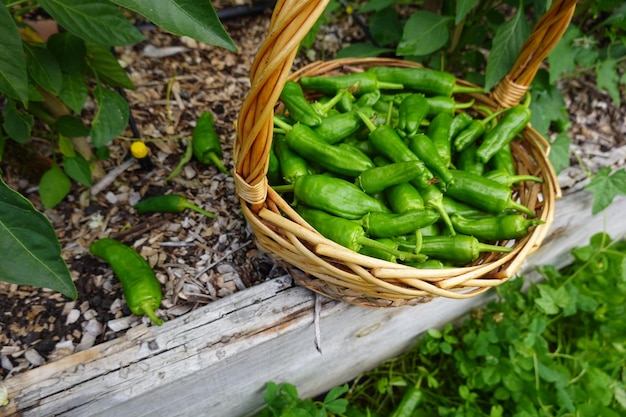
(389, 164)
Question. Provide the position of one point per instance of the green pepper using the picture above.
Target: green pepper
(335, 195)
(339, 126)
(504, 160)
(425, 150)
(292, 165)
(300, 109)
(504, 227)
(439, 132)
(368, 99)
(459, 249)
(364, 146)
(347, 233)
(509, 126)
(378, 224)
(274, 176)
(170, 203)
(306, 142)
(379, 178)
(205, 142)
(466, 160)
(404, 197)
(411, 112)
(142, 289)
(459, 123)
(503, 177)
(427, 264)
(473, 131)
(453, 206)
(483, 193)
(447, 105)
(384, 254)
(357, 83)
(424, 80)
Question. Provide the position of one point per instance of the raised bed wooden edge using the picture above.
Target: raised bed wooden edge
(216, 360)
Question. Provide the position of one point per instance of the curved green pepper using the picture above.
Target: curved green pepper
(459, 249)
(300, 109)
(292, 165)
(205, 142)
(395, 224)
(425, 80)
(448, 105)
(439, 132)
(404, 197)
(142, 289)
(379, 178)
(411, 112)
(425, 150)
(336, 196)
(466, 160)
(503, 177)
(505, 227)
(357, 83)
(170, 203)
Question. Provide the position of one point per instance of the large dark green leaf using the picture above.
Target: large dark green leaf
(69, 50)
(507, 44)
(463, 7)
(44, 68)
(111, 118)
(196, 19)
(17, 124)
(13, 75)
(424, 33)
(106, 66)
(31, 253)
(74, 92)
(98, 21)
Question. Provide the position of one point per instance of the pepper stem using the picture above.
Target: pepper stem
(463, 89)
(418, 241)
(217, 162)
(191, 206)
(148, 310)
(282, 124)
(485, 247)
(366, 120)
(404, 256)
(386, 85)
(465, 105)
(520, 207)
(323, 108)
(514, 179)
(286, 188)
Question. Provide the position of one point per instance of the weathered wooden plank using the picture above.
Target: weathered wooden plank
(215, 361)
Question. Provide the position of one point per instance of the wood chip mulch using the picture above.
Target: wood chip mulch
(197, 259)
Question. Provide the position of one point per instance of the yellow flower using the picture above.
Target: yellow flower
(139, 150)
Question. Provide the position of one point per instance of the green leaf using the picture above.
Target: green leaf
(13, 75)
(607, 77)
(547, 302)
(66, 147)
(562, 57)
(106, 67)
(507, 44)
(559, 152)
(463, 7)
(110, 119)
(77, 168)
(385, 27)
(605, 187)
(53, 187)
(71, 127)
(17, 124)
(70, 52)
(44, 68)
(376, 5)
(547, 105)
(361, 50)
(31, 253)
(424, 33)
(97, 21)
(74, 92)
(196, 19)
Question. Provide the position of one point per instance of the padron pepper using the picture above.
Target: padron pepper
(495, 228)
(439, 132)
(458, 124)
(459, 249)
(503, 177)
(379, 178)
(504, 160)
(448, 105)
(512, 122)
(292, 165)
(347, 233)
(411, 112)
(466, 160)
(424, 80)
(474, 131)
(384, 254)
(205, 142)
(378, 224)
(300, 109)
(338, 126)
(357, 83)
(334, 195)
(404, 197)
(483, 193)
(423, 147)
(142, 289)
(306, 142)
(170, 203)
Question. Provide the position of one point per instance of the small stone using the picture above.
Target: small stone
(34, 358)
(72, 316)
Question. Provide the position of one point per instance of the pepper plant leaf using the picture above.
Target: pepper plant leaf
(13, 75)
(196, 19)
(98, 21)
(111, 118)
(605, 187)
(559, 152)
(463, 7)
(104, 64)
(424, 33)
(53, 187)
(77, 168)
(44, 68)
(607, 77)
(17, 124)
(507, 43)
(74, 92)
(31, 253)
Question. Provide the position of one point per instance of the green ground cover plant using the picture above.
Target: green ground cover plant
(555, 349)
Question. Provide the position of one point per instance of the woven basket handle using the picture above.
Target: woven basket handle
(291, 21)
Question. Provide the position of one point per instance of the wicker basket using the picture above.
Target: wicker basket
(339, 273)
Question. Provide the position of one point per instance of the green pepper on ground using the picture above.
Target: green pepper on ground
(205, 142)
(170, 203)
(141, 288)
